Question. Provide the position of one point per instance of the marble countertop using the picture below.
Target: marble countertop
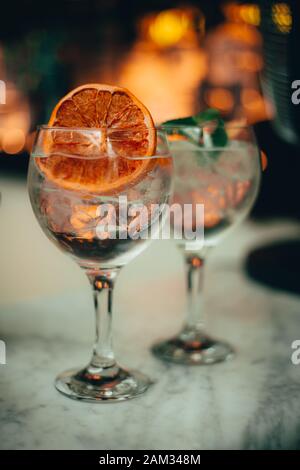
(250, 402)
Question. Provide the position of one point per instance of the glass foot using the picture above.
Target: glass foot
(91, 385)
(192, 347)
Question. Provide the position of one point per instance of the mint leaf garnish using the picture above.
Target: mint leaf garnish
(215, 136)
(210, 114)
(187, 121)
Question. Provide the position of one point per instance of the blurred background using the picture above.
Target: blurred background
(177, 57)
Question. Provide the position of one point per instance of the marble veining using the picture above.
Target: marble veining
(251, 402)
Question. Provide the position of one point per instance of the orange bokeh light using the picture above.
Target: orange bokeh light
(220, 98)
(14, 119)
(282, 17)
(12, 140)
(250, 61)
(246, 13)
(254, 105)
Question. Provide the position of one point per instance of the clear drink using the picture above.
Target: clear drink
(224, 181)
(78, 183)
(70, 218)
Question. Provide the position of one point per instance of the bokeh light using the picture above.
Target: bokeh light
(12, 140)
(246, 13)
(169, 27)
(220, 98)
(282, 17)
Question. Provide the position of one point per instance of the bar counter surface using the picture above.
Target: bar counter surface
(46, 320)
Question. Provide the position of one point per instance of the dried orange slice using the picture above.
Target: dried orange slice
(76, 158)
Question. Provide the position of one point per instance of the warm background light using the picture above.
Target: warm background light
(14, 118)
(220, 98)
(282, 17)
(12, 140)
(245, 13)
(167, 63)
(174, 66)
(169, 27)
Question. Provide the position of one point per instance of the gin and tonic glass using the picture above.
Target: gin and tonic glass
(89, 204)
(225, 181)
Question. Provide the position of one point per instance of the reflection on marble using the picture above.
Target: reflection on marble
(250, 402)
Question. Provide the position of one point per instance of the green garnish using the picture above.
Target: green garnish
(215, 137)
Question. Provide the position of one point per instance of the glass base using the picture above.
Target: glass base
(113, 384)
(193, 347)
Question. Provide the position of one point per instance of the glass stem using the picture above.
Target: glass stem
(195, 277)
(102, 284)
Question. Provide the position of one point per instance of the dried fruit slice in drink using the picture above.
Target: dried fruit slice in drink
(99, 121)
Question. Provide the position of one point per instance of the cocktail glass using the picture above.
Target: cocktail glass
(225, 180)
(102, 230)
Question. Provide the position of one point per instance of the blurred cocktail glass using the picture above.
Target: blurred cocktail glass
(225, 180)
(89, 204)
